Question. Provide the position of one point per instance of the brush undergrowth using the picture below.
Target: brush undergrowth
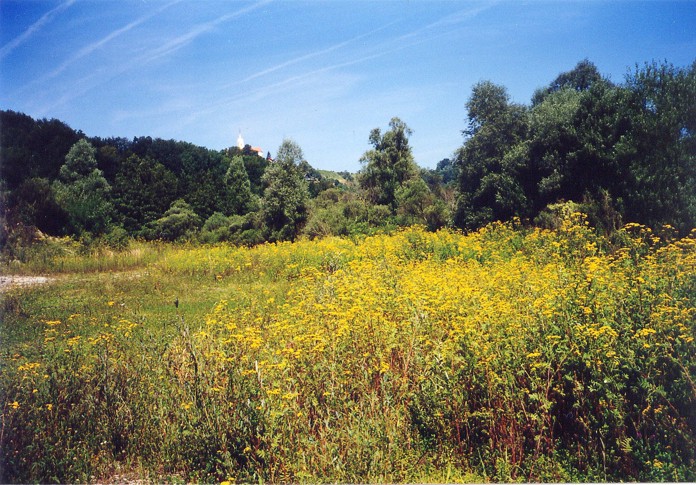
(508, 354)
(65, 255)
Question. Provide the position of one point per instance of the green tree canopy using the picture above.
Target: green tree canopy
(179, 222)
(36, 205)
(32, 148)
(447, 170)
(82, 191)
(553, 143)
(416, 204)
(284, 204)
(240, 198)
(143, 190)
(490, 160)
(80, 162)
(388, 165)
(581, 78)
(662, 141)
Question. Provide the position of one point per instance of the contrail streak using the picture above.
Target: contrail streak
(310, 55)
(183, 40)
(35, 27)
(85, 51)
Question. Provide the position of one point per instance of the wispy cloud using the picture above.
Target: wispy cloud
(311, 55)
(288, 84)
(89, 49)
(462, 15)
(33, 28)
(372, 52)
(185, 39)
(453, 19)
(379, 50)
(85, 51)
(168, 48)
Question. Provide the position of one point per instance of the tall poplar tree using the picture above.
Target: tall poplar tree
(284, 204)
(491, 158)
(388, 165)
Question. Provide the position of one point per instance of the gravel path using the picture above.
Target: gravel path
(7, 282)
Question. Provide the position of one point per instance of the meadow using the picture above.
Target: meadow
(507, 354)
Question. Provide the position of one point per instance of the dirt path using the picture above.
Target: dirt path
(11, 281)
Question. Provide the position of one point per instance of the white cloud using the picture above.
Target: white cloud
(85, 51)
(34, 28)
(310, 55)
(95, 79)
(183, 40)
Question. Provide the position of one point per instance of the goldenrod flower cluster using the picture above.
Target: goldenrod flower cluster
(508, 353)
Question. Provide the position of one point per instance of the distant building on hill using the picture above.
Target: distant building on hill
(241, 145)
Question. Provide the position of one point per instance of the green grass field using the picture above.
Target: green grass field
(509, 354)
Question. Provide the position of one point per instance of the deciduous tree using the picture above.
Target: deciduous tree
(143, 190)
(490, 159)
(662, 139)
(388, 165)
(285, 198)
(179, 222)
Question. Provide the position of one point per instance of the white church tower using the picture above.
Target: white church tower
(240, 141)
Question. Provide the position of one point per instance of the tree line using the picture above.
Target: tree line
(618, 152)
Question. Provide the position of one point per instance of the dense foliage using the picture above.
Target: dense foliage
(623, 152)
(506, 354)
(310, 338)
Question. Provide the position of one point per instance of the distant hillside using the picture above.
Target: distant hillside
(345, 178)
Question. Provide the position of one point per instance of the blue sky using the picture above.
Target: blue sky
(321, 73)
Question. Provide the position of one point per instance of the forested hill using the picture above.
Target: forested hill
(62, 182)
(620, 152)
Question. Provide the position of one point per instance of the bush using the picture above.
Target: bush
(117, 238)
(324, 222)
(178, 223)
(215, 229)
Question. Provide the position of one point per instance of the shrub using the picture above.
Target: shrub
(117, 238)
(178, 223)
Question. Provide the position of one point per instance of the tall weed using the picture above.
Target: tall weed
(506, 354)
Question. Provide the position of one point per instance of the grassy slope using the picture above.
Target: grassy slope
(331, 175)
